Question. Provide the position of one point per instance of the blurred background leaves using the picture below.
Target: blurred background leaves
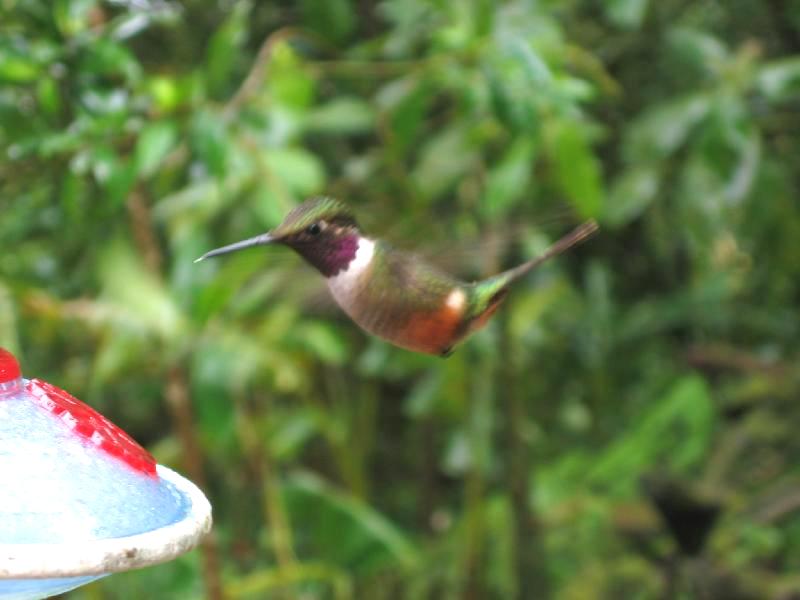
(626, 427)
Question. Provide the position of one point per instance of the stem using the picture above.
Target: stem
(177, 396)
(268, 481)
(474, 542)
(143, 233)
(529, 556)
(479, 433)
(427, 482)
(177, 390)
(258, 72)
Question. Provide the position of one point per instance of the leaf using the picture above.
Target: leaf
(116, 355)
(291, 431)
(47, 94)
(631, 194)
(778, 80)
(215, 371)
(744, 174)
(129, 25)
(155, 142)
(513, 109)
(662, 129)
(107, 102)
(72, 16)
(113, 173)
(443, 160)
(577, 170)
(699, 49)
(406, 100)
(170, 93)
(333, 19)
(289, 82)
(224, 49)
(112, 60)
(209, 140)
(626, 13)
(677, 431)
(15, 68)
(344, 530)
(509, 179)
(525, 316)
(458, 458)
(138, 300)
(322, 340)
(261, 582)
(341, 116)
(8, 320)
(301, 172)
(421, 400)
(203, 196)
(533, 66)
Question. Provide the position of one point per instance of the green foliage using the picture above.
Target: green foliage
(647, 374)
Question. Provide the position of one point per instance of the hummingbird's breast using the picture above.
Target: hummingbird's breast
(396, 296)
(348, 284)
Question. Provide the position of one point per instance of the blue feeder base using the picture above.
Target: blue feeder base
(35, 589)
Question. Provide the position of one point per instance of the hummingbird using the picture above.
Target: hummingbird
(388, 292)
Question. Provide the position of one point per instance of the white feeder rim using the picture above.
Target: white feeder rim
(97, 557)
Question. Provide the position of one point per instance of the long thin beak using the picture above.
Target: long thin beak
(259, 240)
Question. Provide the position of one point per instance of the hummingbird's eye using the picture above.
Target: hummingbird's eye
(313, 229)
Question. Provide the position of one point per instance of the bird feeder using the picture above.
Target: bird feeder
(79, 499)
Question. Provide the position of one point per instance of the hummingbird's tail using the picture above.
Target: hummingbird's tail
(576, 236)
(489, 293)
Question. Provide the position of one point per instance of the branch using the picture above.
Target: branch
(258, 72)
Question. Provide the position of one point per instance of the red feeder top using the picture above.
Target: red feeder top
(91, 425)
(83, 420)
(9, 367)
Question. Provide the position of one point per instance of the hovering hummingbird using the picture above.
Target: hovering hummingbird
(388, 292)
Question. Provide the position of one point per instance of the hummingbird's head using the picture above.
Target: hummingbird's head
(322, 230)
